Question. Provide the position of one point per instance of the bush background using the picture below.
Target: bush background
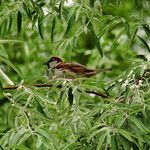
(97, 34)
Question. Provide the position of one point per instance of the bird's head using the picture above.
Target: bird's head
(52, 62)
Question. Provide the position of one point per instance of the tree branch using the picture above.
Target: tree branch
(13, 87)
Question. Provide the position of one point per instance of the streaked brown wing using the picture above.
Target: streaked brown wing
(76, 68)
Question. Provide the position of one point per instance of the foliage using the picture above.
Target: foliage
(95, 33)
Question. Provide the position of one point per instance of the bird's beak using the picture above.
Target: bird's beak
(46, 63)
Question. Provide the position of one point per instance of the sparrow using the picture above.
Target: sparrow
(57, 68)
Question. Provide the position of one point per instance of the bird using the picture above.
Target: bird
(57, 68)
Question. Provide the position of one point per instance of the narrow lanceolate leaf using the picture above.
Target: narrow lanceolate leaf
(40, 109)
(69, 24)
(114, 143)
(10, 23)
(139, 125)
(78, 13)
(146, 29)
(40, 27)
(53, 28)
(123, 142)
(99, 48)
(3, 52)
(92, 3)
(10, 64)
(61, 9)
(27, 10)
(1, 89)
(126, 135)
(144, 42)
(101, 140)
(141, 57)
(5, 78)
(135, 32)
(127, 28)
(70, 96)
(19, 21)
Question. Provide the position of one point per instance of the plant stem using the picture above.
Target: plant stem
(59, 86)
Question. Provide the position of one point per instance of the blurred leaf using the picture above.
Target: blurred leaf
(3, 52)
(53, 28)
(70, 96)
(127, 28)
(40, 109)
(74, 42)
(139, 124)
(34, 20)
(10, 64)
(1, 89)
(78, 11)
(44, 133)
(10, 22)
(126, 134)
(19, 147)
(19, 21)
(61, 9)
(146, 29)
(69, 24)
(99, 48)
(102, 137)
(92, 3)
(141, 57)
(40, 26)
(144, 42)
(138, 3)
(27, 10)
(135, 32)
(123, 142)
(114, 143)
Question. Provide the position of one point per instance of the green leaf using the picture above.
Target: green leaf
(19, 21)
(74, 42)
(1, 89)
(92, 3)
(101, 140)
(44, 133)
(99, 48)
(144, 42)
(97, 132)
(61, 9)
(70, 96)
(40, 109)
(134, 34)
(127, 28)
(78, 13)
(53, 28)
(139, 124)
(27, 10)
(146, 29)
(138, 3)
(69, 24)
(123, 142)
(19, 147)
(3, 52)
(10, 22)
(40, 26)
(114, 143)
(126, 134)
(141, 57)
(10, 64)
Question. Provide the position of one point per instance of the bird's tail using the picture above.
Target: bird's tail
(103, 70)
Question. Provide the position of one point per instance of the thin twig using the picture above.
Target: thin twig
(13, 87)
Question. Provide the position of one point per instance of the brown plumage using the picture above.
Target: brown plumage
(75, 70)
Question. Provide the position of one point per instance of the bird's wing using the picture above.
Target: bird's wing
(76, 68)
